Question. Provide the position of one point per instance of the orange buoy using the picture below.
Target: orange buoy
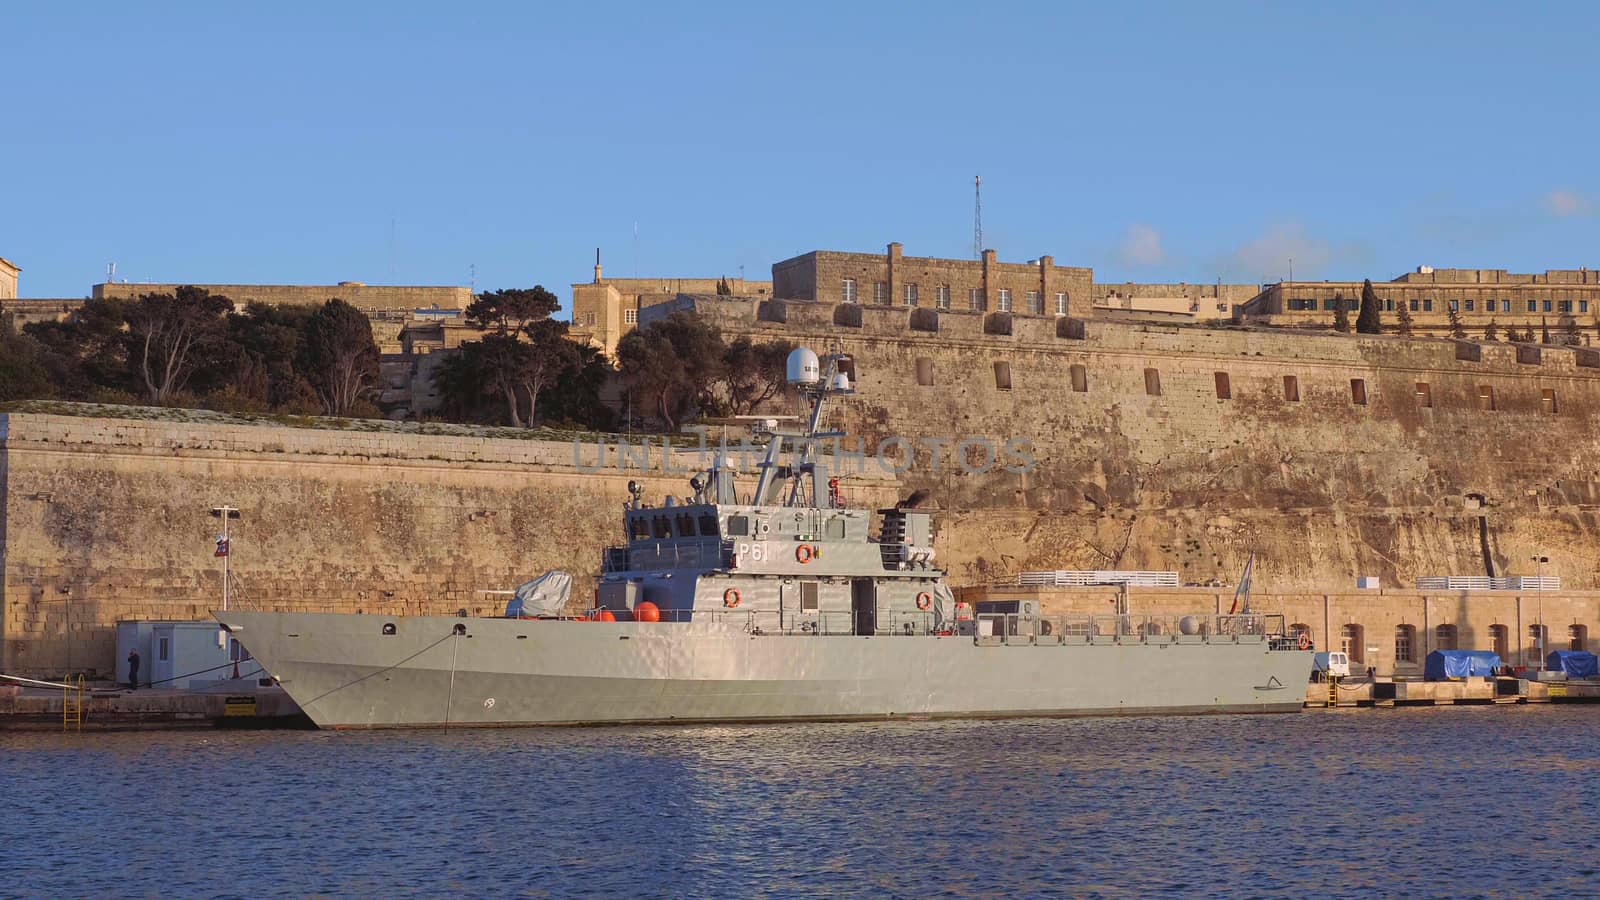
(731, 598)
(924, 600)
(607, 616)
(804, 552)
(645, 611)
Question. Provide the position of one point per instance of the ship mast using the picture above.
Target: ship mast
(816, 385)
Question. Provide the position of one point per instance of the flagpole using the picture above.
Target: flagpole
(227, 560)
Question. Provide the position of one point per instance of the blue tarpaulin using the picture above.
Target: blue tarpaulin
(1576, 663)
(1444, 664)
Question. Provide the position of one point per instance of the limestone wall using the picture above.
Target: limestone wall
(361, 296)
(1377, 626)
(108, 519)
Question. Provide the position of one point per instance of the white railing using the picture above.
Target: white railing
(1071, 578)
(1485, 583)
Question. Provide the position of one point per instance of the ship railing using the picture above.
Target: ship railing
(1015, 628)
(810, 624)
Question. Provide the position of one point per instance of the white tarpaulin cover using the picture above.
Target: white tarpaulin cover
(543, 596)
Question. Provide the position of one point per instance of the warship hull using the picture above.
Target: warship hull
(352, 671)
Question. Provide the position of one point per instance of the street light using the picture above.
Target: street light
(1541, 560)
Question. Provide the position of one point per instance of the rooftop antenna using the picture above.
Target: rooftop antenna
(635, 248)
(977, 217)
(472, 278)
(111, 273)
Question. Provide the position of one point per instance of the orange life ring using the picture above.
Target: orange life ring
(730, 598)
(804, 553)
(1305, 641)
(924, 600)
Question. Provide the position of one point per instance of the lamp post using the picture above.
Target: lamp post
(224, 547)
(1540, 560)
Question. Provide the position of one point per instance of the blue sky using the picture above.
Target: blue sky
(409, 142)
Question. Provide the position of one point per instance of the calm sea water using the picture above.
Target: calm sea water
(1495, 801)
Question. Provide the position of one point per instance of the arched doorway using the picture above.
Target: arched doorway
(1577, 637)
(1500, 641)
(1444, 637)
(1351, 642)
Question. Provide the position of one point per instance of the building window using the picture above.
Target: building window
(1537, 635)
(1152, 382)
(1427, 305)
(848, 293)
(1533, 306)
(1547, 306)
(1291, 389)
(925, 371)
(1388, 304)
(1583, 306)
(1224, 389)
(1564, 306)
(1351, 643)
(941, 296)
(1002, 376)
(975, 299)
(1500, 641)
(1358, 391)
(880, 292)
(1547, 401)
(1577, 637)
(1033, 304)
(1444, 637)
(1505, 305)
(1469, 306)
(1002, 300)
(1327, 305)
(1080, 379)
(1405, 644)
(1424, 395)
(1415, 304)
(1455, 305)
(1486, 397)
(630, 316)
(1061, 303)
(911, 293)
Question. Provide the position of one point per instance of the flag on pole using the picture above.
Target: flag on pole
(1244, 586)
(222, 547)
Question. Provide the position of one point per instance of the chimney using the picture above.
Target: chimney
(597, 265)
(894, 271)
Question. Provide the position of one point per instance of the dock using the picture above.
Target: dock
(1386, 693)
(107, 707)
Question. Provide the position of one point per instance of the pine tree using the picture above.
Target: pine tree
(1341, 314)
(1570, 335)
(1544, 331)
(1368, 321)
(1491, 331)
(1457, 330)
(1402, 318)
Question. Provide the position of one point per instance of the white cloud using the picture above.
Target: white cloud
(1564, 203)
(1141, 246)
(1267, 258)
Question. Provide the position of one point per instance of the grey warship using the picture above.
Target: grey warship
(776, 605)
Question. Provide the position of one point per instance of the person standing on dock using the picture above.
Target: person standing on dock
(133, 670)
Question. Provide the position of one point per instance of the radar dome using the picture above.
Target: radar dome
(803, 367)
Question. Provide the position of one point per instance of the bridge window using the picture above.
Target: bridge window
(738, 526)
(1444, 637)
(663, 528)
(1405, 644)
(684, 524)
(639, 528)
(708, 524)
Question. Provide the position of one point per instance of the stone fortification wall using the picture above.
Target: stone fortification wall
(361, 296)
(108, 519)
(1392, 631)
(1159, 447)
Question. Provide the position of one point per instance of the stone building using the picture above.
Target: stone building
(605, 309)
(1564, 300)
(368, 298)
(8, 279)
(1216, 302)
(1038, 287)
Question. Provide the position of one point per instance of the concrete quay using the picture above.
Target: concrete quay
(1388, 693)
(107, 707)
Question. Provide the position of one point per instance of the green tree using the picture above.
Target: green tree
(752, 373)
(507, 311)
(575, 396)
(1341, 314)
(169, 335)
(1368, 321)
(677, 362)
(723, 290)
(339, 356)
(87, 354)
(1402, 318)
(1491, 331)
(1570, 333)
(23, 374)
(1457, 330)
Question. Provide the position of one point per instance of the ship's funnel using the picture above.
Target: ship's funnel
(803, 367)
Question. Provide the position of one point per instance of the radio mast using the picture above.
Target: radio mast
(977, 217)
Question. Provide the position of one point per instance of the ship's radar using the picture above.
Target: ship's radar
(803, 367)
